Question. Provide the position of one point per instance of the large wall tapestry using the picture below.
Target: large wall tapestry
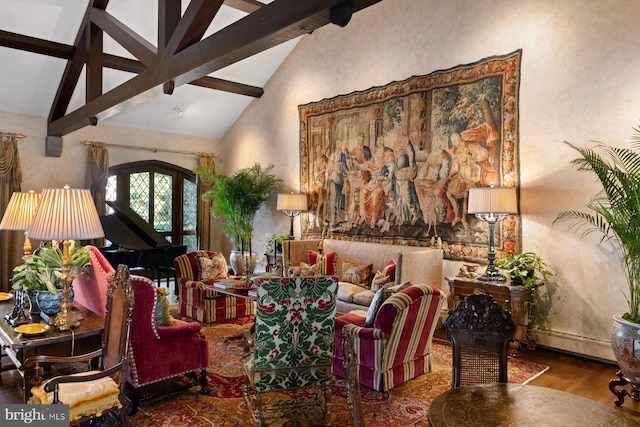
(394, 164)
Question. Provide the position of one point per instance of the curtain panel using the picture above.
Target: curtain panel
(11, 242)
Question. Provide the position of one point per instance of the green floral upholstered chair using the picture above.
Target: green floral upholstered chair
(292, 346)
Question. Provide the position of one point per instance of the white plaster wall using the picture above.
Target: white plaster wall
(69, 169)
(579, 83)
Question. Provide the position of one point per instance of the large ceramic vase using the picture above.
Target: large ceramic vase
(243, 264)
(625, 341)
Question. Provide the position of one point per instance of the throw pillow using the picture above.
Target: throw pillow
(212, 268)
(327, 262)
(163, 317)
(293, 271)
(379, 279)
(309, 270)
(380, 297)
(390, 270)
(360, 275)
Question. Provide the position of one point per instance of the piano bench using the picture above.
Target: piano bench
(168, 274)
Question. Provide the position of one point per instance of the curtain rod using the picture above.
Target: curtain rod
(12, 135)
(153, 149)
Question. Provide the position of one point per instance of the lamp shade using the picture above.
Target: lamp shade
(492, 200)
(20, 211)
(65, 214)
(292, 202)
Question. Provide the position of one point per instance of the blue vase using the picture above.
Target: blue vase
(50, 303)
(33, 305)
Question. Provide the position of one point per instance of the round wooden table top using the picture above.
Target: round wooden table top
(520, 405)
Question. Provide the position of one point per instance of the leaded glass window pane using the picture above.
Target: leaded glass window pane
(162, 208)
(139, 194)
(189, 204)
(191, 241)
(111, 192)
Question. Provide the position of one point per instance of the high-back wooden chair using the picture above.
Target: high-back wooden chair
(100, 391)
(292, 347)
(480, 331)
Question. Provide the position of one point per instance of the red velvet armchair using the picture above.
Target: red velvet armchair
(202, 304)
(156, 352)
(161, 352)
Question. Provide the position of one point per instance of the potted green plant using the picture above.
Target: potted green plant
(40, 271)
(614, 213)
(528, 269)
(236, 199)
(274, 243)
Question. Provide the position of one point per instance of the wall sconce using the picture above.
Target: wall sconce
(292, 205)
(492, 204)
(66, 214)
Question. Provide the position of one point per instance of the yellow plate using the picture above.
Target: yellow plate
(5, 296)
(32, 329)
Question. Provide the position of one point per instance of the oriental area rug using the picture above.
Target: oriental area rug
(405, 405)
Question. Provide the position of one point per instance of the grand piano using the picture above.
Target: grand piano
(136, 243)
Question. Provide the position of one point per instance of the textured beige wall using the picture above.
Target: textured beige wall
(579, 83)
(40, 172)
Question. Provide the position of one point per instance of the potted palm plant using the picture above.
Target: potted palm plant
(235, 199)
(614, 213)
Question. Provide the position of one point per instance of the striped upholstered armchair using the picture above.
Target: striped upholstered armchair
(202, 304)
(397, 345)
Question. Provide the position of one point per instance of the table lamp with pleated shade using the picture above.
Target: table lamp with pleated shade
(66, 214)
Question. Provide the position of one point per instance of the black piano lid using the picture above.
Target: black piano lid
(127, 229)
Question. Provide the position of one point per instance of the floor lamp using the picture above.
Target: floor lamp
(18, 216)
(492, 204)
(66, 214)
(291, 205)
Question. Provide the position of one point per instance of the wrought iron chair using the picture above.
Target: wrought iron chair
(95, 392)
(292, 346)
(480, 331)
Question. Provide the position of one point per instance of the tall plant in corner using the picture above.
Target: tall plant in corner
(614, 212)
(236, 199)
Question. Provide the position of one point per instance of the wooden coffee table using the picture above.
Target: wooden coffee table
(520, 405)
(86, 337)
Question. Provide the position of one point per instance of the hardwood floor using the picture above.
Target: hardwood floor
(569, 373)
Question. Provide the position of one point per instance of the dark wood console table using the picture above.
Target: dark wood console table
(82, 339)
(516, 299)
(520, 405)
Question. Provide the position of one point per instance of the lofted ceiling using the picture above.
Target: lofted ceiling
(197, 82)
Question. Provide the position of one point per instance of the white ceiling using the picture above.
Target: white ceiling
(29, 81)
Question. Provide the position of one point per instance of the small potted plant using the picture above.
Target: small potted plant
(40, 271)
(531, 271)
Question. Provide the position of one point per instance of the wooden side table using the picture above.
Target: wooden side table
(517, 299)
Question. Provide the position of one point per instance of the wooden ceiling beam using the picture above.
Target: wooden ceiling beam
(135, 44)
(268, 26)
(248, 6)
(74, 66)
(114, 62)
(193, 25)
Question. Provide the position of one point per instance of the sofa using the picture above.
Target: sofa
(412, 264)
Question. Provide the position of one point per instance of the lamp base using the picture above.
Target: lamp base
(492, 275)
